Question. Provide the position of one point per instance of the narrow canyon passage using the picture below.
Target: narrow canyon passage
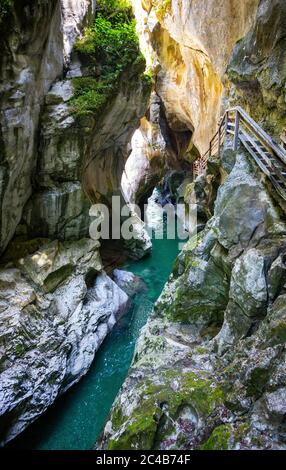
(111, 339)
(77, 418)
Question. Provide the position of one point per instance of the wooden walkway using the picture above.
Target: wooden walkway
(268, 154)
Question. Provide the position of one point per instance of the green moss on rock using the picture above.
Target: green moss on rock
(159, 402)
(140, 433)
(219, 439)
(278, 333)
(18, 248)
(257, 381)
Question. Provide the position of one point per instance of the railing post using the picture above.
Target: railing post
(236, 131)
(210, 154)
(226, 123)
(219, 141)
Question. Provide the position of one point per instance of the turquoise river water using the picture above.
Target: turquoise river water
(77, 418)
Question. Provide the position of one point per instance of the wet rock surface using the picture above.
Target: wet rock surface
(208, 367)
(56, 308)
(128, 282)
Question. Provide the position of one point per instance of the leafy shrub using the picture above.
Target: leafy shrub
(90, 94)
(5, 8)
(110, 44)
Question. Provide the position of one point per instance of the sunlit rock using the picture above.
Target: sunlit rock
(179, 40)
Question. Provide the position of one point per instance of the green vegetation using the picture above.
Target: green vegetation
(109, 47)
(219, 438)
(158, 405)
(5, 8)
(19, 350)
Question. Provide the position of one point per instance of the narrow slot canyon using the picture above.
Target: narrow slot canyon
(143, 231)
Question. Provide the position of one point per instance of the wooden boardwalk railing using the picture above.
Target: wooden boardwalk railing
(268, 154)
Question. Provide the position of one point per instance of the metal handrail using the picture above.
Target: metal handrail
(265, 150)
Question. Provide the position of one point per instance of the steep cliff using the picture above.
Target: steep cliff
(208, 370)
(36, 37)
(188, 46)
(257, 68)
(64, 133)
(30, 62)
(61, 150)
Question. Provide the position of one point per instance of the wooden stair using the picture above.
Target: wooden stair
(268, 155)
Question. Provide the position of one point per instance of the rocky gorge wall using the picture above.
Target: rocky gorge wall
(68, 113)
(257, 69)
(208, 370)
(36, 39)
(205, 58)
(67, 160)
(187, 46)
(57, 302)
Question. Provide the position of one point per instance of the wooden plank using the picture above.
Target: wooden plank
(264, 156)
(257, 142)
(262, 134)
(277, 186)
(253, 154)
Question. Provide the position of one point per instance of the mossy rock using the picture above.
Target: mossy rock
(200, 296)
(219, 439)
(19, 248)
(57, 277)
(257, 381)
(158, 403)
(273, 329)
(110, 53)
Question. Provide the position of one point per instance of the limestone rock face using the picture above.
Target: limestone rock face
(75, 15)
(35, 42)
(52, 263)
(81, 161)
(76, 160)
(243, 209)
(108, 148)
(139, 244)
(257, 68)
(61, 211)
(147, 160)
(31, 59)
(204, 26)
(208, 370)
(179, 39)
(156, 149)
(128, 282)
(56, 308)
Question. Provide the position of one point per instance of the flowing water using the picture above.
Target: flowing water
(77, 418)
